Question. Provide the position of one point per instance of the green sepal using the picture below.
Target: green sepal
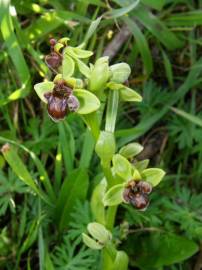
(128, 94)
(131, 150)
(88, 101)
(122, 167)
(114, 195)
(78, 52)
(68, 66)
(153, 175)
(91, 243)
(83, 68)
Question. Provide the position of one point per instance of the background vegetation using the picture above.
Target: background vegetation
(161, 40)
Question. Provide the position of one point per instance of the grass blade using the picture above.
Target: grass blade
(190, 117)
(141, 44)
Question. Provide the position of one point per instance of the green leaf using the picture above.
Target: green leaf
(73, 189)
(14, 50)
(192, 118)
(153, 175)
(168, 69)
(68, 66)
(105, 146)
(20, 169)
(87, 149)
(157, 28)
(88, 101)
(142, 44)
(42, 88)
(91, 243)
(160, 249)
(17, 165)
(131, 150)
(68, 145)
(121, 261)
(120, 72)
(91, 30)
(116, 13)
(186, 19)
(114, 195)
(97, 206)
(50, 21)
(122, 167)
(157, 4)
(128, 94)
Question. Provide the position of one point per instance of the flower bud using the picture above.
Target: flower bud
(120, 72)
(91, 243)
(99, 74)
(99, 232)
(53, 60)
(52, 42)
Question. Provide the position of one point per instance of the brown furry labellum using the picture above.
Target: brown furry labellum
(57, 106)
(61, 101)
(136, 193)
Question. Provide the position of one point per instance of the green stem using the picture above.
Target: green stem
(110, 218)
(109, 253)
(112, 108)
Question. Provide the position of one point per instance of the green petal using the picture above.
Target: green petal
(42, 88)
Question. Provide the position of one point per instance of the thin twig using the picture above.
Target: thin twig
(119, 39)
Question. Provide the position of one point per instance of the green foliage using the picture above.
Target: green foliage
(159, 249)
(76, 185)
(68, 257)
(9, 187)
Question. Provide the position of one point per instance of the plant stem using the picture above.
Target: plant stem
(109, 253)
(112, 108)
(110, 218)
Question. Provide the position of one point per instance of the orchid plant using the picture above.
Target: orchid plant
(90, 90)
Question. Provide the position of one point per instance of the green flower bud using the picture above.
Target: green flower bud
(90, 242)
(99, 232)
(99, 74)
(120, 72)
(105, 147)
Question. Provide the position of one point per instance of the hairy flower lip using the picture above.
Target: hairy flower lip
(136, 193)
